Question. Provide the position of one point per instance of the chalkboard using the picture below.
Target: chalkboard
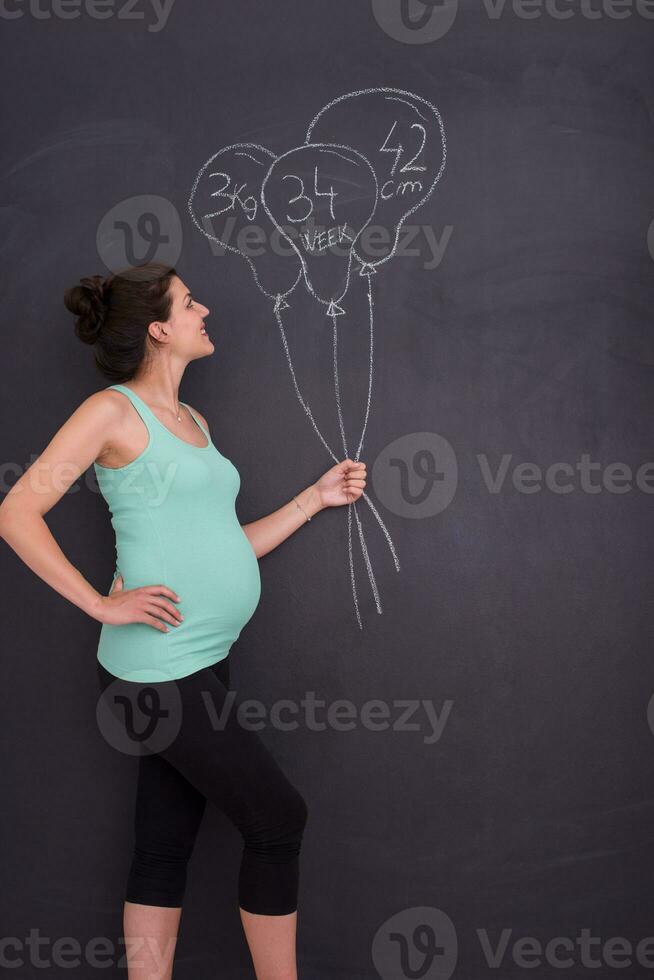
(425, 233)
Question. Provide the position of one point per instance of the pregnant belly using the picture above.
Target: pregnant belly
(218, 581)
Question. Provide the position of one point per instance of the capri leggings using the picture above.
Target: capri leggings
(203, 752)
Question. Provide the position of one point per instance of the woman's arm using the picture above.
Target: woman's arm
(79, 441)
(266, 533)
(342, 484)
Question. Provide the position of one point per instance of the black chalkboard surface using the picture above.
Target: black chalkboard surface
(425, 233)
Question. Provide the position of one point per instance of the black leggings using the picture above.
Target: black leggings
(195, 754)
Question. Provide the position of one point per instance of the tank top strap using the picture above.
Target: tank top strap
(144, 410)
(197, 420)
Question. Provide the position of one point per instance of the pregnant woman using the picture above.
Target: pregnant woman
(185, 584)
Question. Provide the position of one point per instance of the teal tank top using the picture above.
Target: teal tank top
(173, 513)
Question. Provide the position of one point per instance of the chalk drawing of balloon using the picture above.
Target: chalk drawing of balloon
(403, 137)
(321, 197)
(225, 204)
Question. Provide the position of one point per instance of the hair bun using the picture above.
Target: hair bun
(88, 302)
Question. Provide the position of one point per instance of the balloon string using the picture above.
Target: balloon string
(336, 384)
(349, 506)
(365, 422)
(333, 456)
(352, 576)
(364, 550)
(307, 411)
(295, 384)
(396, 561)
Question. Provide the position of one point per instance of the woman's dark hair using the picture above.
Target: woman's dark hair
(114, 313)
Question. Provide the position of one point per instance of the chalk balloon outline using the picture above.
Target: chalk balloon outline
(233, 248)
(392, 93)
(332, 303)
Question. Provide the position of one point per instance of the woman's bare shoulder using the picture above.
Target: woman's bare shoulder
(106, 403)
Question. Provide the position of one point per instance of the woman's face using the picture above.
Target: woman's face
(187, 334)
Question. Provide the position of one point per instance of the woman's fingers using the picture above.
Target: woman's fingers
(163, 607)
(148, 604)
(351, 466)
(160, 590)
(162, 610)
(152, 621)
(172, 611)
(166, 603)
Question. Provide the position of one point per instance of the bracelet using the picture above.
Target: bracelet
(302, 509)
